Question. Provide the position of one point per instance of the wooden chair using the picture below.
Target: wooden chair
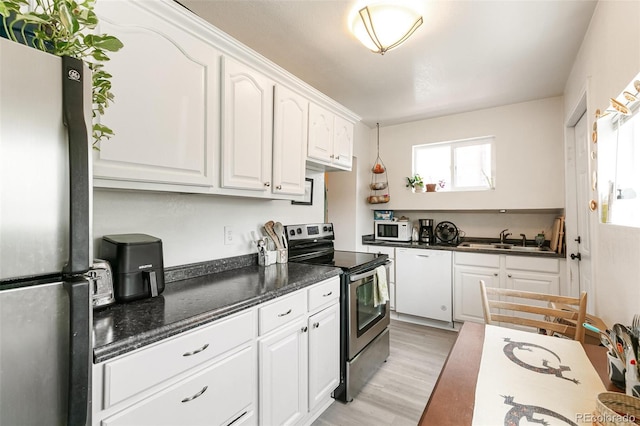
(514, 309)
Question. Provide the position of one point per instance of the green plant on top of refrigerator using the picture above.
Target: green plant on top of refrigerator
(65, 28)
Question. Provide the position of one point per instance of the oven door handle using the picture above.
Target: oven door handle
(358, 277)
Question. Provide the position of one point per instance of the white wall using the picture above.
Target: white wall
(192, 226)
(529, 157)
(608, 59)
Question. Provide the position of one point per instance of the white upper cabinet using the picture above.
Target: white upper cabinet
(289, 141)
(165, 82)
(247, 122)
(342, 142)
(330, 139)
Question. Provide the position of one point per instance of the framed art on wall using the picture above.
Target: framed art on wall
(308, 193)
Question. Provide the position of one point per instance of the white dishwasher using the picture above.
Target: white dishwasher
(424, 283)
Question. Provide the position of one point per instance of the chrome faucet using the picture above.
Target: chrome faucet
(524, 240)
(503, 235)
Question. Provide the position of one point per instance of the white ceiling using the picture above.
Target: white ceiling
(467, 55)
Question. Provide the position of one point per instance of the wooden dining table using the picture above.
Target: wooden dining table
(452, 400)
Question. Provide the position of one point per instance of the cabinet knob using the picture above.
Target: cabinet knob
(304, 329)
(509, 275)
(495, 274)
(267, 184)
(332, 156)
(316, 324)
(337, 157)
(279, 187)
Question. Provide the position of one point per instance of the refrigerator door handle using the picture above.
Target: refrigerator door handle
(80, 356)
(73, 109)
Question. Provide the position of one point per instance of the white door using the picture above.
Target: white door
(342, 142)
(283, 375)
(466, 290)
(324, 354)
(291, 112)
(247, 127)
(320, 133)
(584, 192)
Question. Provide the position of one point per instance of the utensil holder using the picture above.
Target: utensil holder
(616, 371)
(267, 257)
(282, 256)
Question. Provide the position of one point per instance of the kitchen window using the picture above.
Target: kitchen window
(462, 165)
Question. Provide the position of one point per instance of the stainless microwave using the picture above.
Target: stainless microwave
(389, 230)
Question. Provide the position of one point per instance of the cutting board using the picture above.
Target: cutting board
(561, 235)
(555, 234)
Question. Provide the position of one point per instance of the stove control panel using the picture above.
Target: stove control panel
(309, 231)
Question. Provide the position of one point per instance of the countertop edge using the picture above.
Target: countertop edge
(109, 351)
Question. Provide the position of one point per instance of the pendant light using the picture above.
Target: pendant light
(383, 26)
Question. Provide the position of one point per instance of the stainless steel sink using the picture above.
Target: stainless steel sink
(502, 246)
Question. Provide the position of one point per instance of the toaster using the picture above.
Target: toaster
(101, 279)
(137, 264)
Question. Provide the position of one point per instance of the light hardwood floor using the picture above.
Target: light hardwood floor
(397, 394)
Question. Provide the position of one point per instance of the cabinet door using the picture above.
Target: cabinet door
(247, 123)
(423, 283)
(324, 354)
(283, 375)
(320, 142)
(342, 143)
(289, 141)
(218, 395)
(165, 113)
(466, 291)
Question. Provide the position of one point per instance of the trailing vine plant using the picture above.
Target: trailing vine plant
(65, 28)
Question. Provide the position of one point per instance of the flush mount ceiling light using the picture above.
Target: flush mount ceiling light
(384, 26)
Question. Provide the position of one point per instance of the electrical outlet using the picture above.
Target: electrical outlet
(228, 235)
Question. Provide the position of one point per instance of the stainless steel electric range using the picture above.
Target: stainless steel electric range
(364, 334)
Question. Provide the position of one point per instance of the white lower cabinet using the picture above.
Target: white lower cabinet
(423, 283)
(525, 273)
(324, 355)
(299, 361)
(281, 356)
(283, 378)
(220, 394)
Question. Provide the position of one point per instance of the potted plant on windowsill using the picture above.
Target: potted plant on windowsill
(416, 183)
(63, 28)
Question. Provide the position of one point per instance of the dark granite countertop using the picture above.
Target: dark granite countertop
(369, 240)
(192, 302)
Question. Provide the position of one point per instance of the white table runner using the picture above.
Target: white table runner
(527, 378)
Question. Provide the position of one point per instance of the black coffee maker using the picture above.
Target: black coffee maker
(426, 231)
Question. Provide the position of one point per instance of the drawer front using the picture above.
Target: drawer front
(282, 311)
(324, 293)
(221, 394)
(477, 259)
(537, 264)
(136, 372)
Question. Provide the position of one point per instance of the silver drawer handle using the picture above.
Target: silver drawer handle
(191, 398)
(237, 418)
(328, 294)
(197, 351)
(285, 314)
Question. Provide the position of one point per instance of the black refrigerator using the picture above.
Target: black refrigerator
(45, 232)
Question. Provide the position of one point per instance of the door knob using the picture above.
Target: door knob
(576, 256)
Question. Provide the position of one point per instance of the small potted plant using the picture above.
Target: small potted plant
(416, 183)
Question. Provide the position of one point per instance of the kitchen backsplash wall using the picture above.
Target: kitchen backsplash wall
(489, 224)
(192, 226)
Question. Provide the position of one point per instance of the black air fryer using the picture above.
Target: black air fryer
(136, 260)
